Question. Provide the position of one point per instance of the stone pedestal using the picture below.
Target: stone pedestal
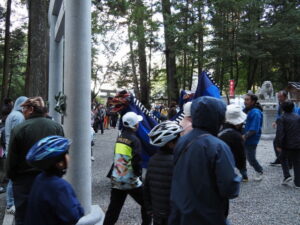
(269, 113)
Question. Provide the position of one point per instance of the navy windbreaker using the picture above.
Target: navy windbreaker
(52, 201)
(204, 177)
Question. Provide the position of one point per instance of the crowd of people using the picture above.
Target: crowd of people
(189, 180)
(102, 117)
(192, 176)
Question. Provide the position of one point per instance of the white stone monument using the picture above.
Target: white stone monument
(269, 104)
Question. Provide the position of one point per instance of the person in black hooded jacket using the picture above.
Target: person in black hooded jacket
(157, 186)
(288, 142)
(231, 134)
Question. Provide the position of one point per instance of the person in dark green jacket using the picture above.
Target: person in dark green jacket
(23, 137)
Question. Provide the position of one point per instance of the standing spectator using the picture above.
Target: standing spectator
(22, 138)
(172, 110)
(114, 119)
(52, 199)
(282, 97)
(288, 142)
(253, 132)
(126, 171)
(100, 116)
(157, 188)
(156, 112)
(203, 178)
(14, 118)
(107, 117)
(186, 122)
(6, 109)
(231, 134)
(164, 112)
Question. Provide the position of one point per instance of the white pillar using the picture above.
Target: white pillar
(77, 80)
(55, 69)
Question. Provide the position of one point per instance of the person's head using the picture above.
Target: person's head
(282, 96)
(157, 108)
(50, 154)
(18, 103)
(234, 115)
(165, 134)
(287, 106)
(33, 107)
(131, 120)
(187, 109)
(250, 100)
(208, 114)
(173, 104)
(8, 101)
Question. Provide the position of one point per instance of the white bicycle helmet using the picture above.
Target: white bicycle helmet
(164, 132)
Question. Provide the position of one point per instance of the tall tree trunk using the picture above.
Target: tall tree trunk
(142, 53)
(172, 82)
(132, 60)
(237, 70)
(200, 45)
(4, 90)
(38, 49)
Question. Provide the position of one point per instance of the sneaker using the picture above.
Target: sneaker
(11, 210)
(275, 163)
(92, 158)
(258, 176)
(2, 190)
(245, 179)
(286, 180)
(295, 186)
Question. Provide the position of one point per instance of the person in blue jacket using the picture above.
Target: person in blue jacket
(252, 132)
(203, 178)
(52, 199)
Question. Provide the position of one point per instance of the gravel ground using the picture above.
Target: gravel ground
(260, 203)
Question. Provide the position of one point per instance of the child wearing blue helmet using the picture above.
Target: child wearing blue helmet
(52, 199)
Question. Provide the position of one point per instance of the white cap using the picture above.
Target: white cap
(187, 109)
(131, 119)
(234, 114)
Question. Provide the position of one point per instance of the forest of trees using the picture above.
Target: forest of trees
(167, 42)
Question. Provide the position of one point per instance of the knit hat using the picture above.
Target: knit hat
(187, 109)
(234, 114)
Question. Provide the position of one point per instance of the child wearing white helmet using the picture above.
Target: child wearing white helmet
(157, 185)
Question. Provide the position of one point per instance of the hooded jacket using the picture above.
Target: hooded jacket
(14, 118)
(204, 177)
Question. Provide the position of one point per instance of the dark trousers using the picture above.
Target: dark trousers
(21, 191)
(160, 221)
(251, 157)
(284, 160)
(100, 124)
(292, 156)
(277, 154)
(117, 199)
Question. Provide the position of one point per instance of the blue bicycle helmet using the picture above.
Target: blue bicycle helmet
(48, 151)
